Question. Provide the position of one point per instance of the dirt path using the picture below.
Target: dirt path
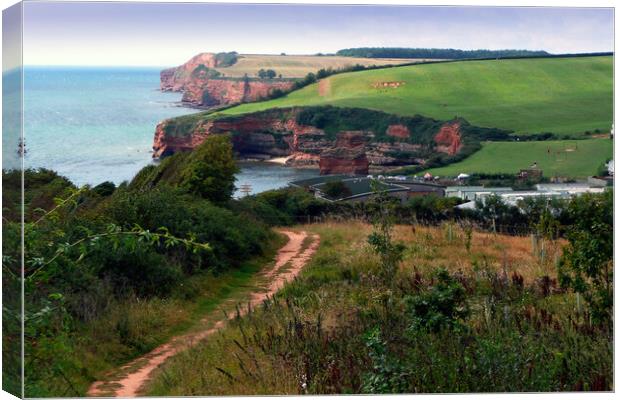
(289, 261)
(325, 87)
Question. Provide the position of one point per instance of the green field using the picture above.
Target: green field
(559, 95)
(573, 158)
(297, 66)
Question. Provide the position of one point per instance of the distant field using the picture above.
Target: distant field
(573, 158)
(294, 66)
(560, 95)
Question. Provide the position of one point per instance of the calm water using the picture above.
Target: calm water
(97, 124)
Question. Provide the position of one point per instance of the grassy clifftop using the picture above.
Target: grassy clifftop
(559, 95)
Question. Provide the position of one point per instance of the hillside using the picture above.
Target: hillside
(574, 158)
(221, 79)
(559, 95)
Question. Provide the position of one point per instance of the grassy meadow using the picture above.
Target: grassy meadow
(335, 329)
(298, 66)
(559, 95)
(573, 158)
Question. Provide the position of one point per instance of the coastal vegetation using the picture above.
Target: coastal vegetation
(369, 295)
(112, 272)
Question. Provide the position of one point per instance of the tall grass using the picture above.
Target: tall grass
(337, 329)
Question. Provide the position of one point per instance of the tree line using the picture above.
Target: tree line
(453, 54)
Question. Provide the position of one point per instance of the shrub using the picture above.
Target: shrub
(226, 59)
(587, 262)
(440, 307)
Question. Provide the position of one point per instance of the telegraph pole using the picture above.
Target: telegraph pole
(246, 189)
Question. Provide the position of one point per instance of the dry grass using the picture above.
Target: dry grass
(298, 66)
(429, 248)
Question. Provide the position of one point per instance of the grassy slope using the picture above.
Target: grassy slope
(581, 160)
(297, 66)
(560, 95)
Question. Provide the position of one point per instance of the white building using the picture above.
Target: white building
(474, 192)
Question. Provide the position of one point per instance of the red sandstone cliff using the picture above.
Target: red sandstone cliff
(249, 135)
(448, 139)
(277, 133)
(347, 156)
(201, 88)
(175, 79)
(221, 91)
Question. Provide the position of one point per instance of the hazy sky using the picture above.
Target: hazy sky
(169, 34)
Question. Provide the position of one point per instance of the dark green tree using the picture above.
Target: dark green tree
(211, 172)
(266, 73)
(586, 265)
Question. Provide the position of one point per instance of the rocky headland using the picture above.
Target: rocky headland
(335, 140)
(204, 86)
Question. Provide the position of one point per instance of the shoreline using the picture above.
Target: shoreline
(279, 160)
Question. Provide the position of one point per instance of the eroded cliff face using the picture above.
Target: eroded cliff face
(175, 79)
(270, 133)
(201, 88)
(346, 156)
(221, 91)
(448, 139)
(277, 133)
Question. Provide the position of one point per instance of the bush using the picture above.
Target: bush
(441, 307)
(587, 262)
(232, 239)
(208, 171)
(226, 59)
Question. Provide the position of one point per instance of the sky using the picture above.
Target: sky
(160, 34)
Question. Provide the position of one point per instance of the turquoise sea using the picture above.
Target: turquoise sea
(97, 124)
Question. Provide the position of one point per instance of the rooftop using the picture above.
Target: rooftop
(362, 186)
(320, 179)
(477, 189)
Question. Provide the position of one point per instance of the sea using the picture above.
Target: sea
(97, 124)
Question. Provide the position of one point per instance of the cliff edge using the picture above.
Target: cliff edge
(205, 86)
